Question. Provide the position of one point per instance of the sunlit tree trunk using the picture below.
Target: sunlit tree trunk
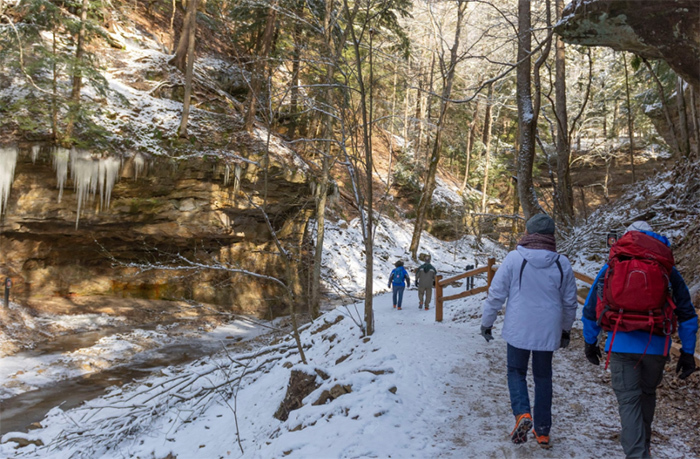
(526, 155)
(179, 60)
(471, 138)
(264, 50)
(192, 28)
(77, 73)
(630, 118)
(488, 123)
(429, 187)
(564, 189)
(684, 138)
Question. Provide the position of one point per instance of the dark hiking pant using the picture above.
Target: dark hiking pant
(424, 295)
(518, 360)
(634, 380)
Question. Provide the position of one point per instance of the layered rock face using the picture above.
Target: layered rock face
(76, 223)
(660, 29)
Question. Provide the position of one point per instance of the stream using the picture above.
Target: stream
(19, 412)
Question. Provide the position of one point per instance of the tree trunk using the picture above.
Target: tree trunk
(192, 29)
(664, 105)
(179, 60)
(630, 118)
(429, 187)
(695, 121)
(54, 86)
(470, 144)
(264, 49)
(565, 193)
(77, 73)
(684, 140)
(487, 146)
(296, 68)
(171, 45)
(526, 156)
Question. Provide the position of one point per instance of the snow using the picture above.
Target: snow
(417, 388)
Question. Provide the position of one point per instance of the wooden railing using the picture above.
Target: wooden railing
(490, 270)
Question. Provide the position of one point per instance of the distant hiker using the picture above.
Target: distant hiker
(540, 288)
(639, 297)
(396, 283)
(425, 281)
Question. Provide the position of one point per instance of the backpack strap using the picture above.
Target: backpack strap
(561, 272)
(522, 268)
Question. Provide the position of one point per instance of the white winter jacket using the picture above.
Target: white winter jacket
(541, 299)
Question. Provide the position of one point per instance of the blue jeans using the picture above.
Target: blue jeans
(398, 294)
(517, 385)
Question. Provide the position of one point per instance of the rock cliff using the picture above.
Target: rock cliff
(77, 223)
(661, 29)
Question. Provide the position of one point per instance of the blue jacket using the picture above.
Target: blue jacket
(635, 342)
(397, 277)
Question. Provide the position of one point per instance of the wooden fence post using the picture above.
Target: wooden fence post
(438, 298)
(490, 273)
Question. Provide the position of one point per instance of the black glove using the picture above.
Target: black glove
(686, 365)
(593, 353)
(486, 333)
(565, 339)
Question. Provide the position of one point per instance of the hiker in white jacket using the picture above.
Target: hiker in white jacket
(540, 287)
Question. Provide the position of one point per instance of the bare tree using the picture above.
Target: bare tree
(448, 73)
(565, 193)
(630, 117)
(77, 72)
(526, 115)
(179, 60)
(191, 30)
(488, 123)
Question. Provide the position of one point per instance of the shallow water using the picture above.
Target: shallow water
(17, 413)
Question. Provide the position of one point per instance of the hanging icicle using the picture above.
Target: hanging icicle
(8, 161)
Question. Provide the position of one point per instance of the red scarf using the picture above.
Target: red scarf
(539, 241)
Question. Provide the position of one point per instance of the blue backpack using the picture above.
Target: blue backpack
(398, 275)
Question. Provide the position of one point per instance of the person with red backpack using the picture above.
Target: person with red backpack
(640, 299)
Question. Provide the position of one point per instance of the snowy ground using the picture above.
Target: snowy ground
(416, 388)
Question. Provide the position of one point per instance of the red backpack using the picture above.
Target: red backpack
(637, 288)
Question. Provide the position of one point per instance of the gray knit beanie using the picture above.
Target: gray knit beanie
(540, 223)
(641, 225)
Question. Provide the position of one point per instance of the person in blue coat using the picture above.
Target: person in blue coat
(636, 363)
(398, 281)
(540, 287)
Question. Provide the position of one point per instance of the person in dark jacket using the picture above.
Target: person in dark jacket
(638, 358)
(398, 281)
(425, 280)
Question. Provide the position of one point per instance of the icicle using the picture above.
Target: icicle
(139, 164)
(35, 153)
(60, 163)
(237, 178)
(85, 173)
(8, 161)
(88, 174)
(110, 168)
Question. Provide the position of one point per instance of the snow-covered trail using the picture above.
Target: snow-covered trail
(456, 383)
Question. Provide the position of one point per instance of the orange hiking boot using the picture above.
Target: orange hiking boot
(542, 440)
(523, 424)
(394, 306)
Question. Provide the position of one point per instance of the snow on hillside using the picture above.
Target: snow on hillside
(416, 388)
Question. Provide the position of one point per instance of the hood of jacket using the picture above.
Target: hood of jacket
(539, 258)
